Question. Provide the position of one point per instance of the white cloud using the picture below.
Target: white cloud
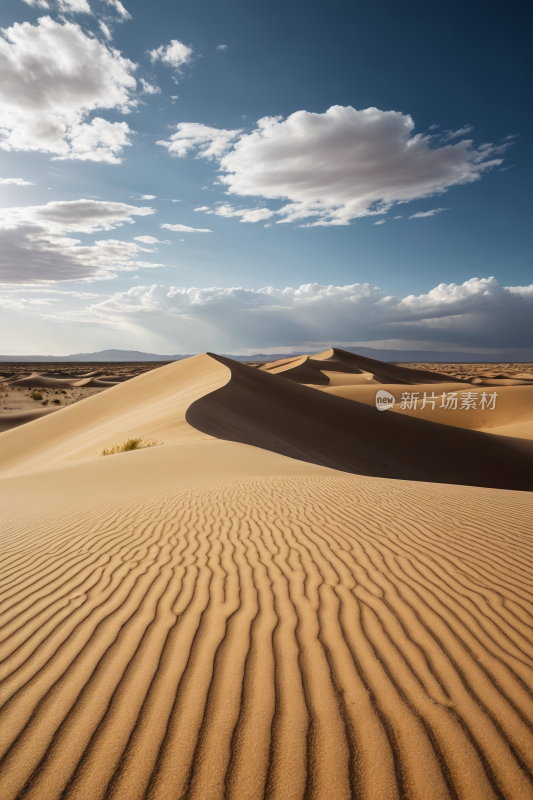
(15, 182)
(99, 140)
(34, 247)
(380, 222)
(119, 8)
(222, 47)
(176, 54)
(37, 3)
(148, 196)
(337, 166)
(74, 6)
(431, 213)
(184, 228)
(211, 142)
(246, 214)
(105, 30)
(461, 132)
(148, 88)
(149, 240)
(54, 76)
(477, 314)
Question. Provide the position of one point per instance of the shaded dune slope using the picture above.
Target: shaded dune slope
(315, 636)
(12, 419)
(270, 412)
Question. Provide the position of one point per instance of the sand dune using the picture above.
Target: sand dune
(275, 414)
(227, 617)
(335, 366)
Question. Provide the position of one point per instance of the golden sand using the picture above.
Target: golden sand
(213, 619)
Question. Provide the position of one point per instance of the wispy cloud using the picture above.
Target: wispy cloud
(15, 182)
(184, 228)
(421, 214)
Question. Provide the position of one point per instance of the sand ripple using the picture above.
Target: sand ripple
(289, 638)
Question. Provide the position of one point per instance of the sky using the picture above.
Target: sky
(241, 177)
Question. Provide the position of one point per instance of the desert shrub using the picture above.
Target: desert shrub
(137, 443)
(36, 396)
(56, 401)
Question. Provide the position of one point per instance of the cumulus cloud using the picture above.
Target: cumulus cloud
(334, 167)
(211, 142)
(148, 196)
(184, 228)
(176, 54)
(222, 47)
(380, 222)
(431, 213)
(15, 182)
(478, 314)
(53, 77)
(35, 249)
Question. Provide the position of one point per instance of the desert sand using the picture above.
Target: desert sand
(28, 392)
(295, 596)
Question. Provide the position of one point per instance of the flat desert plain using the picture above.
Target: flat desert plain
(294, 596)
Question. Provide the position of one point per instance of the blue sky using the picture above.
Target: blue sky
(373, 114)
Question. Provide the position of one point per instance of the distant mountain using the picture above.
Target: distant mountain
(102, 355)
(408, 356)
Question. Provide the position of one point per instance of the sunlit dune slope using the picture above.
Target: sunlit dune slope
(267, 411)
(513, 404)
(211, 621)
(151, 405)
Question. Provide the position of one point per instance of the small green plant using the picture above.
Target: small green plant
(137, 443)
(57, 401)
(36, 396)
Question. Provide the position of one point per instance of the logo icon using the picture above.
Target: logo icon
(384, 400)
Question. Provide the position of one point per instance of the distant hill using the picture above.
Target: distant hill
(413, 356)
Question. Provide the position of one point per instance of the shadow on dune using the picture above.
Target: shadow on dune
(267, 411)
